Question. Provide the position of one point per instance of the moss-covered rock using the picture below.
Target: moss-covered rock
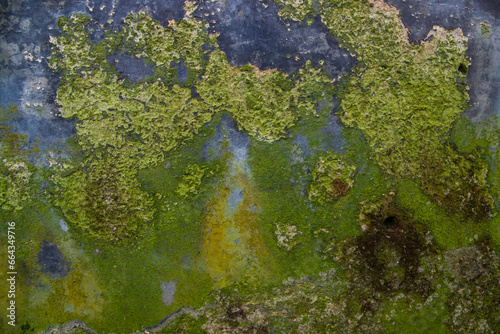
(136, 125)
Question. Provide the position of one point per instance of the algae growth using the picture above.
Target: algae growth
(405, 98)
(269, 207)
(16, 174)
(134, 126)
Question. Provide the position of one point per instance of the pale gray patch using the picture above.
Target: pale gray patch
(168, 292)
(63, 225)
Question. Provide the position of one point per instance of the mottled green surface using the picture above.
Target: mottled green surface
(134, 126)
(396, 233)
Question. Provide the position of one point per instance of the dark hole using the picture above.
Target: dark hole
(390, 222)
(462, 68)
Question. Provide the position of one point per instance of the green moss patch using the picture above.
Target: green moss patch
(332, 178)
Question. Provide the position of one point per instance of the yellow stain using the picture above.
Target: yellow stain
(233, 248)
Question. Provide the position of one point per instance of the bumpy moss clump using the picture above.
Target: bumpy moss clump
(191, 180)
(331, 179)
(104, 201)
(288, 236)
(264, 103)
(15, 177)
(137, 124)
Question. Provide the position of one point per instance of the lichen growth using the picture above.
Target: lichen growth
(137, 125)
(191, 180)
(296, 10)
(331, 178)
(16, 175)
(405, 99)
(265, 103)
(485, 30)
(184, 39)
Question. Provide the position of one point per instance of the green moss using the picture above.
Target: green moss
(16, 174)
(331, 178)
(102, 202)
(288, 236)
(185, 323)
(413, 315)
(296, 10)
(485, 29)
(449, 231)
(490, 133)
(191, 180)
(15, 184)
(494, 229)
(466, 138)
(441, 300)
(264, 103)
(184, 39)
(143, 172)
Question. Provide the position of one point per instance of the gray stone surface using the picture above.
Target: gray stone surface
(134, 69)
(251, 32)
(168, 292)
